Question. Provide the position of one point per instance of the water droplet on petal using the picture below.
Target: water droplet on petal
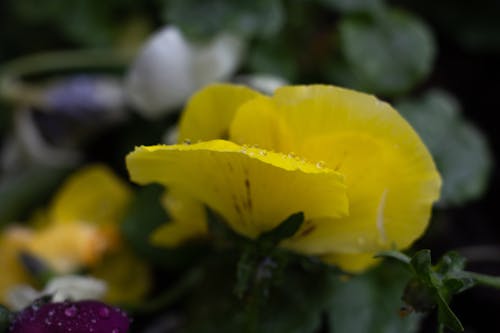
(70, 311)
(104, 312)
(115, 330)
(320, 164)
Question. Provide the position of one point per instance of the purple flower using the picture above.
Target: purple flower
(71, 317)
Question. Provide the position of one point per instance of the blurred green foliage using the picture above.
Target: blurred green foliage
(460, 150)
(377, 46)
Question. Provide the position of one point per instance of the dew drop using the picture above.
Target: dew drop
(115, 330)
(104, 312)
(70, 311)
(320, 164)
(262, 153)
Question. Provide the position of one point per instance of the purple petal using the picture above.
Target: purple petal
(71, 317)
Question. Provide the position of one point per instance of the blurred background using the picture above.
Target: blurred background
(84, 81)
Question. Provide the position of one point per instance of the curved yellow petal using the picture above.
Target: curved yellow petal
(390, 176)
(257, 122)
(352, 263)
(93, 194)
(188, 220)
(209, 112)
(253, 189)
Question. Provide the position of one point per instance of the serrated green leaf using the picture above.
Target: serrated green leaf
(450, 262)
(446, 316)
(388, 55)
(457, 285)
(461, 151)
(370, 303)
(204, 19)
(421, 262)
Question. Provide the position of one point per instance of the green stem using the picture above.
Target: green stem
(12, 86)
(485, 280)
(64, 60)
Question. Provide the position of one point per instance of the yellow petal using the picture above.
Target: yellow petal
(257, 122)
(67, 247)
(352, 263)
(127, 277)
(12, 241)
(93, 194)
(210, 111)
(188, 220)
(253, 189)
(390, 175)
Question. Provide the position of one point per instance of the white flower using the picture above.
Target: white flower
(69, 287)
(265, 83)
(170, 68)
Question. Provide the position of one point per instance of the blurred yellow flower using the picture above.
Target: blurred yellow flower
(350, 162)
(78, 230)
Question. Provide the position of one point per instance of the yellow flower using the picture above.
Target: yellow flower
(350, 162)
(79, 229)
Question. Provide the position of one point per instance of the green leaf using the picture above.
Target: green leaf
(284, 230)
(460, 150)
(435, 285)
(399, 256)
(446, 316)
(293, 306)
(450, 262)
(5, 317)
(260, 263)
(370, 303)
(388, 55)
(143, 216)
(204, 19)
(421, 263)
(245, 270)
